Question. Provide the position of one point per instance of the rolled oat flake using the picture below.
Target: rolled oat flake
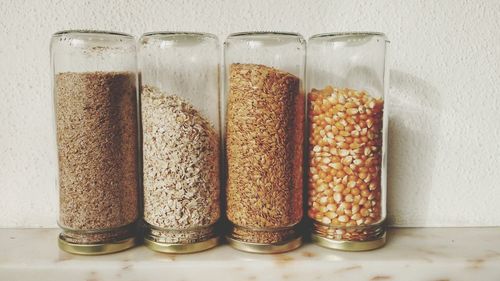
(181, 174)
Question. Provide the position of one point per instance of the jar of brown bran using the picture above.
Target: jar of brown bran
(95, 100)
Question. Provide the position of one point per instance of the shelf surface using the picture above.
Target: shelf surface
(434, 254)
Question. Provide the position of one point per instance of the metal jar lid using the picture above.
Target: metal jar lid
(350, 246)
(97, 248)
(180, 248)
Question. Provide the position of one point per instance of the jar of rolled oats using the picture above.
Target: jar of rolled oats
(347, 149)
(179, 73)
(95, 100)
(264, 131)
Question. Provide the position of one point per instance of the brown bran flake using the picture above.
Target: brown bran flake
(97, 136)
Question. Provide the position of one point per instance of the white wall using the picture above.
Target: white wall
(444, 97)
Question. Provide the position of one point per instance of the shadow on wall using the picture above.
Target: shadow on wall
(414, 126)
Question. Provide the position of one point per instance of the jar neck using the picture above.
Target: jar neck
(181, 236)
(264, 235)
(352, 233)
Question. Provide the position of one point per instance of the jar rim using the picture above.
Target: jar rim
(161, 34)
(92, 32)
(349, 34)
(264, 34)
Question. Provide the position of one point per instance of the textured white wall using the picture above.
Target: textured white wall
(444, 120)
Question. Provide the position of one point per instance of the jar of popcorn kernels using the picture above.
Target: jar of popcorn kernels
(347, 126)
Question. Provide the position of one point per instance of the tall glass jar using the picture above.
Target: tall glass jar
(347, 125)
(95, 99)
(265, 108)
(180, 91)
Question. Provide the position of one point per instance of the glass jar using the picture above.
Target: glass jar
(264, 134)
(95, 100)
(179, 75)
(347, 126)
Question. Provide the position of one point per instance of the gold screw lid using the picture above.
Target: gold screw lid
(265, 248)
(350, 246)
(180, 248)
(96, 249)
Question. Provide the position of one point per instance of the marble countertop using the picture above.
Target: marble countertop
(433, 254)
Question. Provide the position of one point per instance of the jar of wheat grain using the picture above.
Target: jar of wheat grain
(264, 119)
